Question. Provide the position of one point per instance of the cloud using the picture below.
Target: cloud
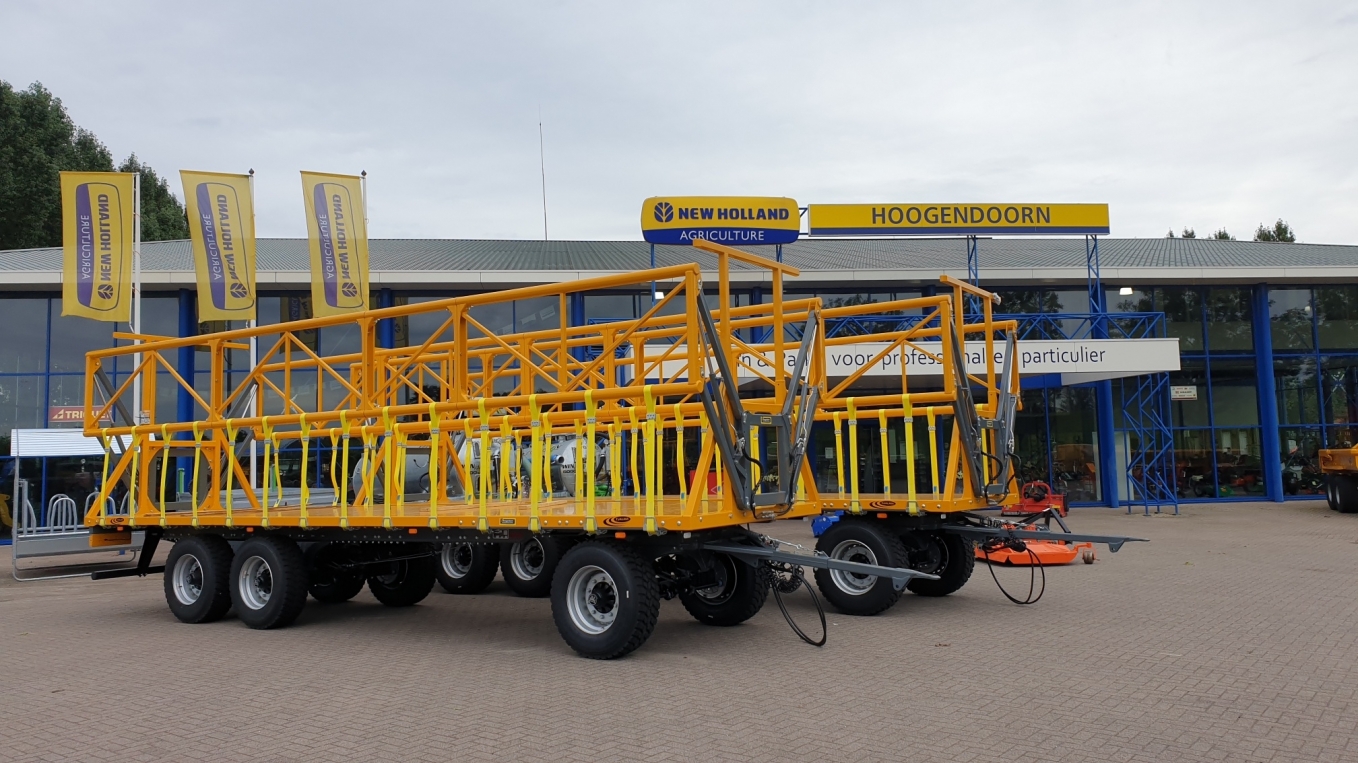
(1202, 115)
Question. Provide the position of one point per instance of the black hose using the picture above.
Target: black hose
(799, 581)
(1032, 579)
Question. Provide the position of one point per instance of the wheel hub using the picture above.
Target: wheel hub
(255, 582)
(457, 559)
(527, 558)
(188, 579)
(853, 583)
(592, 599)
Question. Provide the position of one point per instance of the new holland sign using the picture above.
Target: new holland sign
(956, 219)
(731, 220)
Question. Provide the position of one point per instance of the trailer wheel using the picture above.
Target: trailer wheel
(198, 578)
(739, 593)
(528, 565)
(1346, 493)
(1332, 492)
(605, 599)
(467, 568)
(404, 582)
(268, 582)
(948, 555)
(866, 542)
(328, 580)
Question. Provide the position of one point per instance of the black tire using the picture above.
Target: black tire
(467, 568)
(268, 582)
(739, 594)
(198, 578)
(869, 542)
(527, 566)
(404, 582)
(947, 555)
(1332, 492)
(328, 579)
(605, 599)
(1346, 493)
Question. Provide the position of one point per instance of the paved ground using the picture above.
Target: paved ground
(1230, 637)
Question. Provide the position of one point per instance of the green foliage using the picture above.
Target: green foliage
(1170, 234)
(162, 216)
(1280, 232)
(1190, 233)
(38, 141)
(1222, 235)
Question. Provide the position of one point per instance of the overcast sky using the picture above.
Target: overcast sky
(1176, 114)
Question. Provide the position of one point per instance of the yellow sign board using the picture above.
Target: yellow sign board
(98, 223)
(720, 219)
(222, 230)
(338, 238)
(956, 219)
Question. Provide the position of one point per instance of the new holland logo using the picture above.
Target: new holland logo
(664, 212)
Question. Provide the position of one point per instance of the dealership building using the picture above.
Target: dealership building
(1265, 374)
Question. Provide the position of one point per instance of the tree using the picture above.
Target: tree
(1222, 235)
(162, 216)
(1190, 233)
(1170, 234)
(38, 141)
(1281, 232)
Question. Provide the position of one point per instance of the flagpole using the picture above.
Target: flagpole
(254, 341)
(137, 412)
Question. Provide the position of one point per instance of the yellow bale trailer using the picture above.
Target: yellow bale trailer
(608, 465)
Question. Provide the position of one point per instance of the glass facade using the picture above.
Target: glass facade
(1217, 414)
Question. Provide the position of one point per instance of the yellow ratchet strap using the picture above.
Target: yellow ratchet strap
(482, 521)
(369, 469)
(343, 495)
(588, 463)
(886, 454)
(197, 460)
(231, 472)
(333, 434)
(435, 459)
(535, 468)
(387, 472)
(839, 453)
(268, 452)
(468, 485)
(506, 459)
(933, 451)
(164, 466)
(614, 467)
(649, 434)
(579, 453)
(679, 453)
(912, 504)
(633, 444)
(103, 480)
(854, 505)
(547, 453)
(303, 520)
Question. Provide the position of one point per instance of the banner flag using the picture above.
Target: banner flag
(222, 230)
(338, 238)
(98, 224)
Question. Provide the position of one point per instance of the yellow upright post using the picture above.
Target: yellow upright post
(839, 453)
(912, 505)
(344, 471)
(589, 461)
(650, 435)
(535, 469)
(483, 521)
(886, 455)
(435, 461)
(388, 458)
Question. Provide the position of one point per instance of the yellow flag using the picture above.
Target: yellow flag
(222, 228)
(338, 239)
(97, 219)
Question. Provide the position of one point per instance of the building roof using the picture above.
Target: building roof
(463, 263)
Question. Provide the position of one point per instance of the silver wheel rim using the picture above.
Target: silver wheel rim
(853, 583)
(721, 591)
(527, 558)
(187, 579)
(255, 583)
(592, 598)
(456, 559)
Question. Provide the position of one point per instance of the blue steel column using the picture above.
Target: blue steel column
(188, 326)
(1271, 458)
(1103, 391)
(386, 329)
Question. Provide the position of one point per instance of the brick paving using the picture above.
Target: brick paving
(1230, 637)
